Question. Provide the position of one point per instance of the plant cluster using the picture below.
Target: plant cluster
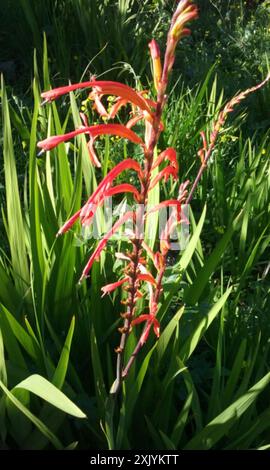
(136, 270)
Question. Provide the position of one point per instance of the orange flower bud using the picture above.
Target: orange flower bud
(156, 61)
(185, 14)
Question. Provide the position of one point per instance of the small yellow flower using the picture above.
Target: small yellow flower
(263, 151)
(220, 230)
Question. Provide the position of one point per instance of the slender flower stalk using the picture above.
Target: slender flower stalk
(206, 151)
(138, 273)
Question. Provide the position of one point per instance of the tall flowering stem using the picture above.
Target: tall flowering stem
(206, 151)
(186, 11)
(137, 273)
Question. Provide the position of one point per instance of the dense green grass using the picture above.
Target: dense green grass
(110, 37)
(84, 36)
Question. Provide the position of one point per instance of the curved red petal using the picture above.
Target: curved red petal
(94, 131)
(92, 154)
(103, 242)
(95, 198)
(111, 287)
(147, 278)
(104, 87)
(156, 327)
(165, 173)
(68, 224)
(84, 119)
(127, 164)
(114, 129)
(53, 141)
(168, 154)
(168, 203)
(98, 106)
(140, 319)
(122, 188)
(134, 121)
(87, 213)
(116, 106)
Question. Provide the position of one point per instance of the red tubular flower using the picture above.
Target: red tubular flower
(123, 188)
(88, 211)
(127, 164)
(97, 194)
(168, 154)
(69, 223)
(93, 131)
(106, 183)
(147, 277)
(170, 202)
(95, 255)
(101, 87)
(98, 106)
(165, 173)
(53, 141)
(115, 129)
(151, 320)
(111, 287)
(92, 154)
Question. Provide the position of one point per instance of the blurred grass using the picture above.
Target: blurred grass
(101, 35)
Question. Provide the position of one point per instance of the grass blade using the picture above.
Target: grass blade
(48, 392)
(219, 426)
